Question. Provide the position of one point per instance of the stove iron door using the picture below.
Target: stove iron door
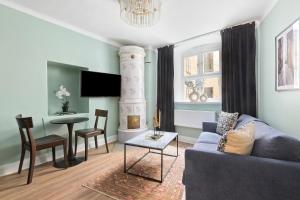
(133, 122)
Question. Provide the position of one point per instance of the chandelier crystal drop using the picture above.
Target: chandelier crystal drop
(140, 13)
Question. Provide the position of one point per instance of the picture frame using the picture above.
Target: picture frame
(288, 58)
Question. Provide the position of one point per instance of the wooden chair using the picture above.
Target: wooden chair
(34, 145)
(93, 132)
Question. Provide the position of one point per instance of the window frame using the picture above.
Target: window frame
(199, 51)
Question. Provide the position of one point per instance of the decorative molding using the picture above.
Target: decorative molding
(151, 48)
(12, 168)
(268, 11)
(57, 22)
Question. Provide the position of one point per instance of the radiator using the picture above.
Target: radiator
(192, 118)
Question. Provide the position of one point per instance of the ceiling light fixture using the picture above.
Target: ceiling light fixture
(140, 13)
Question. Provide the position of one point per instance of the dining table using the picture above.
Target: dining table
(70, 121)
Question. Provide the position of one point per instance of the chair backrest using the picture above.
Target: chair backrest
(27, 124)
(101, 113)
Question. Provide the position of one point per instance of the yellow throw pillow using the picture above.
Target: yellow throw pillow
(239, 141)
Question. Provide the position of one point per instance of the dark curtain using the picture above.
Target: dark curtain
(238, 69)
(165, 87)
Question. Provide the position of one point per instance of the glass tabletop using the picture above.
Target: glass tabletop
(69, 120)
(145, 140)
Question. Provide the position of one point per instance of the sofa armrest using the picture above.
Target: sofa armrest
(209, 127)
(216, 175)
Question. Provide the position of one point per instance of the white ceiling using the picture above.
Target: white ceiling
(180, 19)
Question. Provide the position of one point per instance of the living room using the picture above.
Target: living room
(150, 99)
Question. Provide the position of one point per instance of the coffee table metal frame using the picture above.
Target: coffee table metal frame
(160, 152)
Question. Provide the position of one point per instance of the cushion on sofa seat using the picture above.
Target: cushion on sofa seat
(281, 147)
(210, 138)
(206, 147)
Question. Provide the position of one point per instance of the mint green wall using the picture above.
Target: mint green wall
(193, 132)
(279, 109)
(69, 76)
(150, 84)
(26, 44)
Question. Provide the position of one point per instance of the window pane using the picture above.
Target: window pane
(208, 87)
(212, 88)
(191, 66)
(211, 62)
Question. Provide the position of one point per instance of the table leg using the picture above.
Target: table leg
(177, 144)
(161, 165)
(70, 150)
(71, 158)
(124, 158)
(159, 152)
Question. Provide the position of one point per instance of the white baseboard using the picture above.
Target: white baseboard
(185, 139)
(12, 168)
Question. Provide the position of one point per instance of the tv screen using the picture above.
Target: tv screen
(94, 84)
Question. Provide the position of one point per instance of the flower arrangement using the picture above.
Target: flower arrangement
(63, 94)
(195, 90)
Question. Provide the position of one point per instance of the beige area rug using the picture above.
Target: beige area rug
(118, 185)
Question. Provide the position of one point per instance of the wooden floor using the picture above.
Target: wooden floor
(51, 183)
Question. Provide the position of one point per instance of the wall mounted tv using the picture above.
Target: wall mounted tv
(95, 84)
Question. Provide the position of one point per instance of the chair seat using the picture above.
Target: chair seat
(49, 141)
(89, 132)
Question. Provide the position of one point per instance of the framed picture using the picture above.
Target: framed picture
(288, 58)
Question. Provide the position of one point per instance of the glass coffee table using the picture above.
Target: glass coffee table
(144, 141)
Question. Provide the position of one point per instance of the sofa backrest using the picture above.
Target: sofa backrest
(270, 142)
(245, 119)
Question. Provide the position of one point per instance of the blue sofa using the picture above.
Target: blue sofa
(272, 172)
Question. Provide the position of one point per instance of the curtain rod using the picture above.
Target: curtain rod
(211, 32)
(194, 37)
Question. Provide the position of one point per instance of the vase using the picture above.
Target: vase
(65, 108)
(203, 98)
(194, 96)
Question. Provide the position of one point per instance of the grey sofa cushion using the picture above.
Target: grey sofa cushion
(281, 147)
(243, 120)
(272, 143)
(206, 147)
(210, 138)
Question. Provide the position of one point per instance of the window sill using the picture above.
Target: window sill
(197, 103)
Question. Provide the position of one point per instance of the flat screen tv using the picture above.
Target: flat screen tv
(95, 84)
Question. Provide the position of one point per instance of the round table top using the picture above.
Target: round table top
(69, 120)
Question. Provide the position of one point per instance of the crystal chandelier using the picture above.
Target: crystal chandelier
(140, 13)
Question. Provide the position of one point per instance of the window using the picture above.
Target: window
(191, 66)
(209, 92)
(211, 62)
(202, 74)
